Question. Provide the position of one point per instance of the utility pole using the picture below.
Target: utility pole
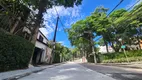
(92, 44)
(54, 41)
(93, 51)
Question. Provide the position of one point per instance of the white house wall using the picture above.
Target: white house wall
(104, 50)
(47, 51)
(44, 39)
(40, 45)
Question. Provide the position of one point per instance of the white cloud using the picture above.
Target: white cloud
(46, 31)
(67, 15)
(62, 42)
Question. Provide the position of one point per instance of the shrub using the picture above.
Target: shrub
(119, 57)
(15, 52)
(56, 58)
(131, 59)
(90, 59)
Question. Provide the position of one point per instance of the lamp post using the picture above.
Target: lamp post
(123, 47)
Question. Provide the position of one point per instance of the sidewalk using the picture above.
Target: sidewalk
(135, 65)
(16, 74)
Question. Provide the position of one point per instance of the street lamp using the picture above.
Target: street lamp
(123, 47)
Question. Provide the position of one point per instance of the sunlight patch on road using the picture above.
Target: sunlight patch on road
(70, 62)
(134, 70)
(60, 77)
(129, 75)
(89, 70)
(70, 69)
(40, 73)
(110, 75)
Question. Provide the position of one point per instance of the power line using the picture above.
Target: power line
(60, 20)
(133, 5)
(62, 25)
(115, 7)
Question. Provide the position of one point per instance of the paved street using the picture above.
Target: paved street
(74, 71)
(117, 73)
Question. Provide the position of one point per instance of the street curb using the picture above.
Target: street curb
(118, 65)
(122, 65)
(23, 75)
(16, 77)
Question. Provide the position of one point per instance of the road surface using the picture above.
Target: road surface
(116, 72)
(75, 71)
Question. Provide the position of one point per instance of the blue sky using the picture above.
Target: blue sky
(69, 16)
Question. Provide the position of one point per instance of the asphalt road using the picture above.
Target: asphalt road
(75, 71)
(116, 72)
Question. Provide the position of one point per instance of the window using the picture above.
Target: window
(40, 38)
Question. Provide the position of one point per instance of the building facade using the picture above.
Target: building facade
(141, 44)
(103, 49)
(42, 51)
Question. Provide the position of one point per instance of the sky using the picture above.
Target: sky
(69, 16)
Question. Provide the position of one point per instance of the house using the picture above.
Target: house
(103, 50)
(42, 51)
(141, 43)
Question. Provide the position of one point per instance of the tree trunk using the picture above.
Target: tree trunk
(106, 44)
(15, 25)
(107, 47)
(38, 20)
(37, 24)
(93, 51)
(114, 48)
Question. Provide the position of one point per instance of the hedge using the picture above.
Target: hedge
(119, 57)
(15, 52)
(90, 59)
(121, 60)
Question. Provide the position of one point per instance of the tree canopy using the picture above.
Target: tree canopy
(120, 23)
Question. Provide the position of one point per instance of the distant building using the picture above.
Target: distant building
(42, 51)
(104, 50)
(141, 43)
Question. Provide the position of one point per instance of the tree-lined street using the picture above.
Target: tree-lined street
(85, 71)
(70, 40)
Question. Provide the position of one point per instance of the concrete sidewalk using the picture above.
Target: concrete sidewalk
(13, 75)
(135, 65)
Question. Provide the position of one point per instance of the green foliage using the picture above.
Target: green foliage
(10, 11)
(101, 42)
(62, 54)
(15, 52)
(118, 13)
(81, 33)
(135, 55)
(49, 3)
(121, 60)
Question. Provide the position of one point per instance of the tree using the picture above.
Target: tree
(100, 23)
(62, 53)
(42, 5)
(79, 37)
(14, 14)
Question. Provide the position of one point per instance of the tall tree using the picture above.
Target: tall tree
(42, 5)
